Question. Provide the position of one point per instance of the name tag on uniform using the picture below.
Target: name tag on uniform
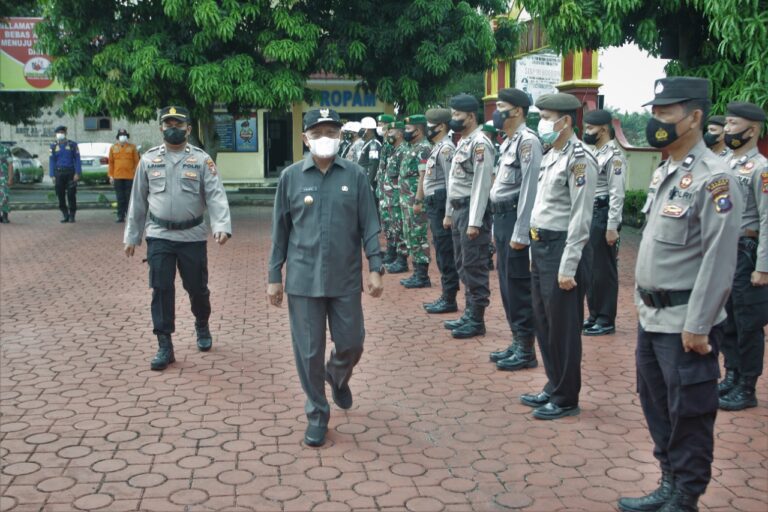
(309, 189)
(190, 175)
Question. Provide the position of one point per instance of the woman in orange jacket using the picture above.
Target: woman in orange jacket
(123, 160)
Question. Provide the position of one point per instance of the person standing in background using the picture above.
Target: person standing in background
(123, 160)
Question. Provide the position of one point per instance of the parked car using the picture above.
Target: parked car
(94, 158)
(26, 166)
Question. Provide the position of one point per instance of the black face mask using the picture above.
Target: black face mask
(433, 131)
(361, 133)
(736, 140)
(456, 125)
(409, 136)
(590, 138)
(710, 139)
(174, 136)
(660, 134)
(499, 118)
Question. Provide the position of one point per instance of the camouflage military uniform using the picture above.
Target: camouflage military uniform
(390, 187)
(5, 178)
(414, 225)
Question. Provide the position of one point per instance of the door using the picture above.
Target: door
(278, 154)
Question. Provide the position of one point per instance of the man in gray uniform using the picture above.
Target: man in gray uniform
(744, 341)
(435, 191)
(714, 137)
(174, 184)
(560, 223)
(324, 216)
(512, 197)
(603, 283)
(685, 267)
(469, 186)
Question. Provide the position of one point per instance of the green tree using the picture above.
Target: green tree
(633, 126)
(724, 40)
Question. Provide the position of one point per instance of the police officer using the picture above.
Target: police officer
(123, 160)
(714, 137)
(64, 168)
(346, 139)
(353, 153)
(396, 136)
(435, 196)
(324, 215)
(562, 214)
(6, 181)
(603, 283)
(744, 342)
(415, 221)
(371, 150)
(387, 148)
(512, 197)
(685, 267)
(174, 184)
(468, 217)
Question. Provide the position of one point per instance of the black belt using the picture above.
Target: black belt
(663, 298)
(601, 201)
(462, 202)
(65, 169)
(504, 206)
(436, 199)
(168, 224)
(546, 235)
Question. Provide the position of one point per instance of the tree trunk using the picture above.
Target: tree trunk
(204, 134)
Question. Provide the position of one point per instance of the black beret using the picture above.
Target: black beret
(748, 111)
(559, 102)
(677, 89)
(438, 115)
(465, 103)
(718, 120)
(179, 113)
(122, 131)
(60, 128)
(598, 117)
(514, 97)
(321, 115)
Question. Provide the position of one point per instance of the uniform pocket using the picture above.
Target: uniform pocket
(698, 387)
(191, 185)
(157, 183)
(672, 225)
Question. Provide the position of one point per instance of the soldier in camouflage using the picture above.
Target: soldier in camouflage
(392, 190)
(387, 149)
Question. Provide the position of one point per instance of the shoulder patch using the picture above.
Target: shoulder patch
(211, 166)
(525, 149)
(764, 182)
(579, 168)
(480, 153)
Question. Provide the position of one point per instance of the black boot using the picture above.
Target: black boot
(5, 218)
(728, 383)
(420, 277)
(653, 501)
(474, 326)
(681, 502)
(525, 357)
(510, 351)
(741, 397)
(453, 324)
(204, 338)
(446, 303)
(164, 355)
(64, 218)
(400, 265)
(391, 254)
(406, 280)
(72, 217)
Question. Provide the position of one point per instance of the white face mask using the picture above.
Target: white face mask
(324, 147)
(380, 131)
(122, 138)
(547, 132)
(60, 136)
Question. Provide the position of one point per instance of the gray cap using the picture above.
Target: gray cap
(438, 115)
(559, 102)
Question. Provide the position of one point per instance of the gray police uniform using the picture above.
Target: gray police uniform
(603, 285)
(685, 267)
(320, 224)
(436, 202)
(744, 341)
(726, 154)
(170, 194)
(560, 222)
(469, 186)
(512, 197)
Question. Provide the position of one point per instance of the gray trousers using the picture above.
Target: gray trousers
(308, 319)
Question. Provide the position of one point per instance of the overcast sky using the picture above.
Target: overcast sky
(627, 74)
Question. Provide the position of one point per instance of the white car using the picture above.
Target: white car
(94, 159)
(26, 166)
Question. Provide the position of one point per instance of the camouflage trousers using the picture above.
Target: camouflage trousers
(394, 232)
(414, 224)
(5, 194)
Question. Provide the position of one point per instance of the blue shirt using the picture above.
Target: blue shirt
(65, 155)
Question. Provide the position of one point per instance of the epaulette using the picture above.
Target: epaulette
(156, 148)
(617, 152)
(688, 161)
(578, 150)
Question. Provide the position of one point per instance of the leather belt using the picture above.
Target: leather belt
(602, 201)
(436, 199)
(664, 298)
(751, 233)
(173, 225)
(65, 169)
(462, 202)
(546, 235)
(504, 206)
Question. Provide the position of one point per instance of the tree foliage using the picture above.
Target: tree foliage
(633, 126)
(724, 40)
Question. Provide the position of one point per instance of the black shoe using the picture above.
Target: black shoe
(599, 330)
(455, 324)
(64, 219)
(518, 361)
(4, 218)
(390, 256)
(341, 396)
(420, 278)
(315, 436)
(681, 502)
(650, 502)
(474, 325)
(72, 218)
(400, 266)
(441, 305)
(536, 400)
(504, 353)
(552, 411)
(728, 383)
(589, 322)
(741, 397)
(164, 355)
(204, 338)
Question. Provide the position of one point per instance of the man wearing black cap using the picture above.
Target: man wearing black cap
(603, 284)
(512, 197)
(65, 170)
(468, 215)
(324, 215)
(123, 159)
(174, 185)
(744, 342)
(562, 214)
(714, 137)
(685, 267)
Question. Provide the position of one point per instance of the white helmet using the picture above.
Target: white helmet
(368, 123)
(354, 126)
(347, 127)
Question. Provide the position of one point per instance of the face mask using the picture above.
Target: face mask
(590, 138)
(324, 147)
(380, 131)
(660, 134)
(60, 136)
(499, 118)
(547, 132)
(409, 136)
(122, 138)
(174, 136)
(433, 131)
(710, 139)
(391, 139)
(736, 140)
(456, 125)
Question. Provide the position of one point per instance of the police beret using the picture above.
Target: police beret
(718, 120)
(122, 131)
(598, 117)
(438, 115)
(559, 102)
(514, 97)
(748, 111)
(397, 125)
(465, 103)
(60, 128)
(677, 89)
(415, 119)
(386, 118)
(321, 115)
(488, 127)
(179, 113)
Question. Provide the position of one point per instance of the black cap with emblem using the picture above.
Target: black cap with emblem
(321, 115)
(60, 129)
(598, 117)
(677, 89)
(744, 110)
(178, 113)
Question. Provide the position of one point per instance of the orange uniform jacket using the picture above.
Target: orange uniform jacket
(123, 161)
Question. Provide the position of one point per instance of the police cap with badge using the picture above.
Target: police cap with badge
(180, 114)
(319, 116)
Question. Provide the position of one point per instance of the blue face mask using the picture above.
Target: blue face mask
(499, 117)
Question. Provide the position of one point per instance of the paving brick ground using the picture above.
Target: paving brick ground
(86, 425)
